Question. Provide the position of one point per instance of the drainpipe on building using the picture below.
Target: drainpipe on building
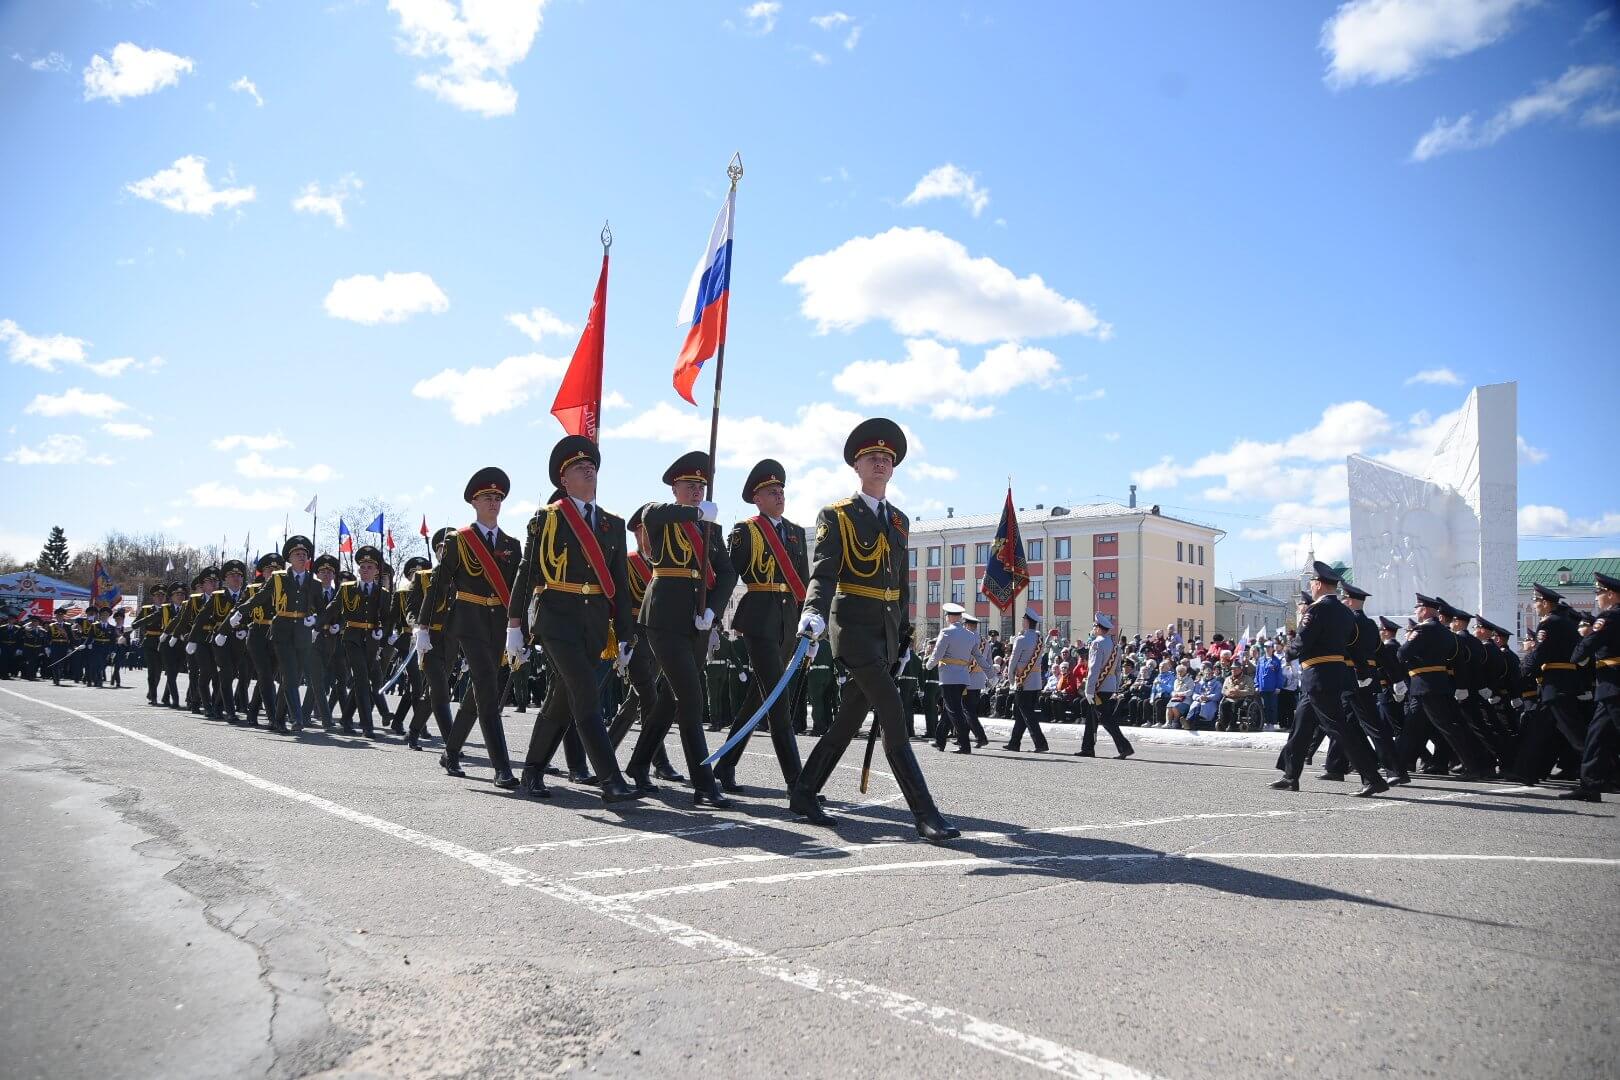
(1139, 571)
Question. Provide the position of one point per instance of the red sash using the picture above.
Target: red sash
(487, 561)
(587, 540)
(641, 568)
(696, 539)
(783, 563)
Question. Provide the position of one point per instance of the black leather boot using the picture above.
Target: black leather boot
(533, 783)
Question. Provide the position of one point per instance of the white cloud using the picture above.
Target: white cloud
(273, 441)
(216, 496)
(1442, 376)
(53, 62)
(830, 21)
(853, 38)
(393, 298)
(932, 374)
(173, 521)
(43, 353)
(1532, 455)
(127, 431)
(819, 58)
(481, 392)
(761, 16)
(255, 467)
(1555, 521)
(477, 41)
(184, 187)
(1377, 41)
(1548, 101)
(244, 85)
(923, 283)
(1288, 519)
(75, 402)
(1111, 436)
(932, 472)
(312, 200)
(133, 72)
(539, 322)
(58, 450)
(614, 400)
(1330, 547)
(1091, 395)
(950, 182)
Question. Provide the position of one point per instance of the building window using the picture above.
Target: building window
(958, 554)
(1200, 595)
(1061, 585)
(1035, 551)
(958, 590)
(1060, 548)
(1108, 575)
(933, 556)
(1178, 590)
(1108, 538)
(1200, 554)
(1108, 596)
(1036, 591)
(981, 554)
(933, 592)
(1200, 627)
(911, 556)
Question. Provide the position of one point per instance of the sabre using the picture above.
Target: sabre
(765, 706)
(74, 652)
(403, 664)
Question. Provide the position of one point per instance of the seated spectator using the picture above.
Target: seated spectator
(1237, 695)
(1139, 694)
(1054, 697)
(1175, 683)
(1204, 702)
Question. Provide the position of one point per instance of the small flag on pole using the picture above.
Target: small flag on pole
(310, 509)
(578, 406)
(705, 304)
(376, 525)
(424, 529)
(390, 541)
(1006, 574)
(169, 568)
(345, 538)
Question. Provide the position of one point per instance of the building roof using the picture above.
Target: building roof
(1545, 572)
(1045, 515)
(1249, 596)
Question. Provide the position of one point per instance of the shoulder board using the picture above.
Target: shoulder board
(278, 573)
(845, 502)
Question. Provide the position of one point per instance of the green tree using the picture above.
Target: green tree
(53, 557)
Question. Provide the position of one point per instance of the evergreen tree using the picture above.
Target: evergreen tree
(53, 557)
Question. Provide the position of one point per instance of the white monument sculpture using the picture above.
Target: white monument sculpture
(1452, 532)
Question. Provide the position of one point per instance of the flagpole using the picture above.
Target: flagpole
(734, 171)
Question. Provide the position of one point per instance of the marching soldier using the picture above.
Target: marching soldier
(211, 633)
(363, 613)
(1325, 632)
(258, 648)
(1552, 666)
(1024, 669)
(61, 643)
(1359, 702)
(1602, 648)
(689, 564)
(170, 645)
(1391, 679)
(436, 663)
(978, 679)
(571, 588)
(952, 656)
(821, 688)
(1427, 654)
(857, 594)
(149, 626)
(771, 556)
(1102, 689)
(411, 697)
(473, 578)
(290, 597)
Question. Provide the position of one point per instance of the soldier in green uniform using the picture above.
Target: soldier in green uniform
(33, 648)
(642, 672)
(857, 595)
(362, 612)
(62, 641)
(259, 655)
(435, 664)
(292, 598)
(148, 629)
(210, 633)
(170, 645)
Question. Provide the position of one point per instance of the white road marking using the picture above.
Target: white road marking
(1030, 1049)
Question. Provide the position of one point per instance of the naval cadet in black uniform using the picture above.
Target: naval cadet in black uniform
(771, 556)
(1552, 666)
(1602, 649)
(571, 590)
(684, 542)
(1325, 632)
(1360, 703)
(859, 596)
(1429, 653)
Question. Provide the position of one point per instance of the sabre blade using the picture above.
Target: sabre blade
(765, 706)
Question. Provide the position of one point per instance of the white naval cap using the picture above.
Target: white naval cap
(1104, 621)
(1033, 616)
(969, 617)
(952, 609)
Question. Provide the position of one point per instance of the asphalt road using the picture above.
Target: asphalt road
(185, 898)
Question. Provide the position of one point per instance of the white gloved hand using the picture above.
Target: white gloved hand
(812, 624)
(1460, 695)
(220, 639)
(705, 620)
(1363, 683)
(711, 512)
(309, 620)
(393, 638)
(1399, 691)
(422, 638)
(742, 676)
(334, 628)
(521, 658)
(905, 658)
(514, 640)
(236, 619)
(622, 664)
(191, 647)
(241, 635)
(376, 635)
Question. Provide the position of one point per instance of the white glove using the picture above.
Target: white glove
(309, 620)
(514, 640)
(394, 637)
(191, 647)
(705, 620)
(236, 619)
(521, 658)
(422, 638)
(376, 635)
(1400, 691)
(742, 676)
(841, 679)
(1460, 695)
(622, 664)
(241, 635)
(333, 628)
(711, 512)
(812, 624)
(220, 639)
(1363, 683)
(905, 658)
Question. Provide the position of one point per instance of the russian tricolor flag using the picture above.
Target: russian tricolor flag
(705, 303)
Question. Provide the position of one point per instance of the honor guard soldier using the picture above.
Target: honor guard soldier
(571, 589)
(642, 671)
(858, 596)
(1602, 648)
(978, 679)
(691, 573)
(474, 579)
(952, 656)
(1428, 653)
(1391, 677)
(265, 695)
(1360, 703)
(211, 632)
(199, 661)
(363, 613)
(1024, 671)
(413, 697)
(61, 643)
(1102, 689)
(170, 646)
(149, 626)
(291, 598)
(437, 663)
(1325, 632)
(1551, 663)
(771, 555)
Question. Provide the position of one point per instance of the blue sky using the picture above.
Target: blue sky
(258, 252)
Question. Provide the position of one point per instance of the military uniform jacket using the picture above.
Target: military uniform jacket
(979, 666)
(462, 585)
(768, 609)
(1322, 647)
(1100, 656)
(1550, 661)
(671, 600)
(152, 622)
(1468, 670)
(1602, 648)
(1024, 669)
(860, 581)
(1363, 651)
(62, 633)
(955, 650)
(287, 603)
(357, 614)
(1428, 653)
(1501, 671)
(416, 603)
(1388, 663)
(559, 586)
(211, 614)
